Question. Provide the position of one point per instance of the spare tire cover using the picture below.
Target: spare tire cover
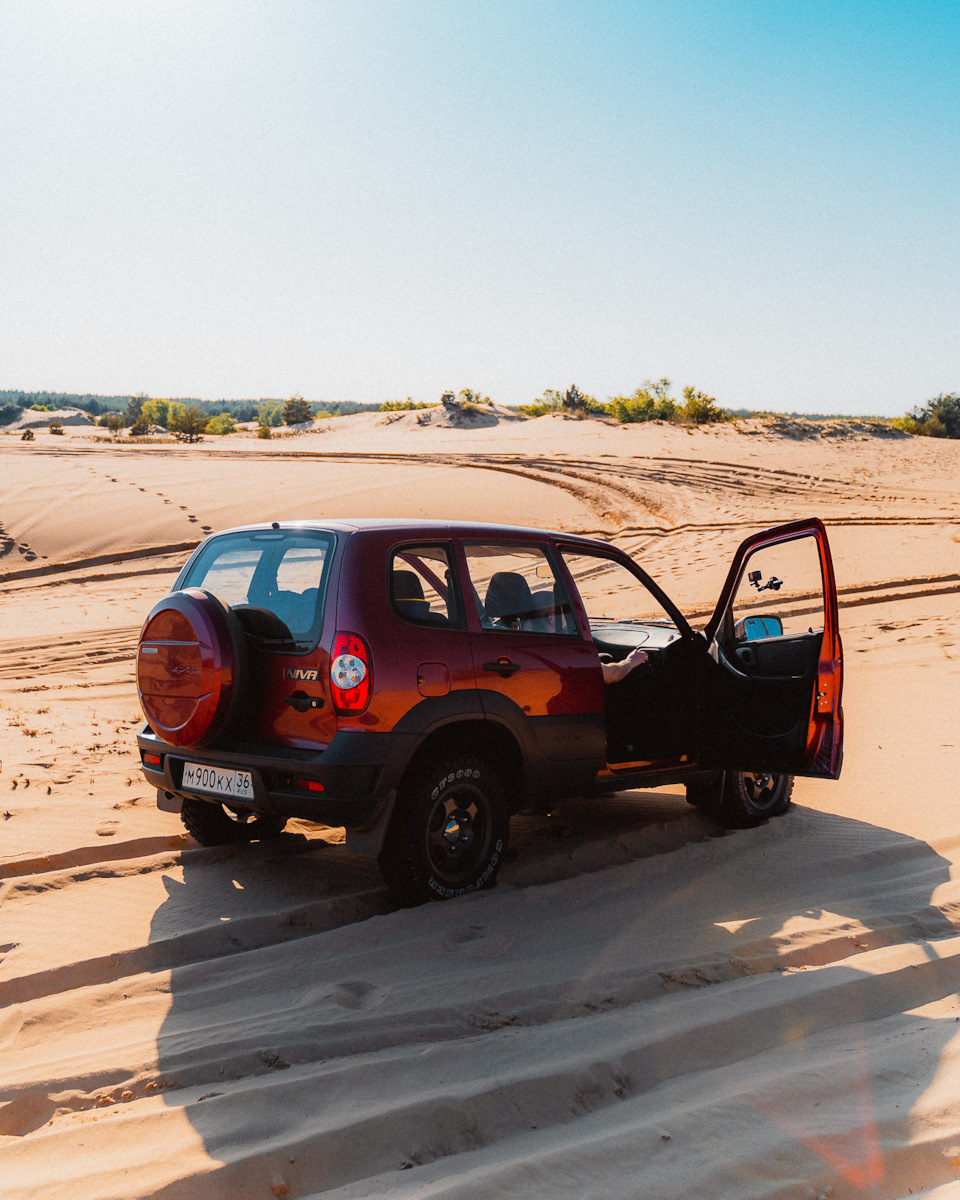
(188, 666)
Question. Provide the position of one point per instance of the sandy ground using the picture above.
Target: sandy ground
(644, 1007)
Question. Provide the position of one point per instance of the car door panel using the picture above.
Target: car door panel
(534, 670)
(773, 703)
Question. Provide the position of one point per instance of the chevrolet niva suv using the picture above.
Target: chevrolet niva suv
(419, 681)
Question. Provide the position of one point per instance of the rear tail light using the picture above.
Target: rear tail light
(309, 785)
(350, 673)
(152, 759)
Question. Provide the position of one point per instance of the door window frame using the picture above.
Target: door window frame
(560, 575)
(612, 554)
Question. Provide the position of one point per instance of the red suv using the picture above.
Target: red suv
(419, 681)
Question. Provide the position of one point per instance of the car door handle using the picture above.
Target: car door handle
(302, 702)
(503, 667)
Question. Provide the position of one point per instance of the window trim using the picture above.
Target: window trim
(559, 579)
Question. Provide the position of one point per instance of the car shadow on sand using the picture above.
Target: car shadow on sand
(305, 1001)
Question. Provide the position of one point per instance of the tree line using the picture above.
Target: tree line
(190, 419)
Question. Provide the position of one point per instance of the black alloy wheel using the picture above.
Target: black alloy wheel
(750, 797)
(448, 833)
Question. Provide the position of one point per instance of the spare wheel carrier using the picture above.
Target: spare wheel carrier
(189, 664)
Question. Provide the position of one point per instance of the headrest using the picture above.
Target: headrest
(508, 596)
(406, 585)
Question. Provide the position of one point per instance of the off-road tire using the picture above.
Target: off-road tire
(448, 832)
(211, 824)
(751, 797)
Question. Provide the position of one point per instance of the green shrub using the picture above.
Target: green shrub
(572, 401)
(27, 435)
(221, 424)
(939, 417)
(56, 427)
(699, 409)
(402, 405)
(264, 431)
(652, 402)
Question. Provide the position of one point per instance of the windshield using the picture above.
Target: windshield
(264, 572)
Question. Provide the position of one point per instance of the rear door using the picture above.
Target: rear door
(536, 671)
(771, 698)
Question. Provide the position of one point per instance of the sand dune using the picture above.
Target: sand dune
(643, 1007)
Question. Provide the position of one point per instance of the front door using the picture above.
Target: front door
(771, 695)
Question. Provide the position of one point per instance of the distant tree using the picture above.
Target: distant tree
(9, 413)
(188, 423)
(135, 408)
(222, 423)
(270, 412)
(264, 431)
(296, 411)
(56, 427)
(156, 412)
(113, 421)
(939, 417)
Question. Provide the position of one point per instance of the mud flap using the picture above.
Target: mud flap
(370, 838)
(168, 802)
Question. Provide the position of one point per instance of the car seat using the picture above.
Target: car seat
(406, 592)
(509, 603)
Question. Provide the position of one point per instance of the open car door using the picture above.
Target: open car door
(771, 696)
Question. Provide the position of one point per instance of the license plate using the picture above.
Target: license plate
(218, 780)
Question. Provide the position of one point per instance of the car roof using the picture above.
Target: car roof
(416, 525)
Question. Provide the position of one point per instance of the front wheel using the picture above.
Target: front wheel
(750, 797)
(448, 833)
(741, 799)
(213, 825)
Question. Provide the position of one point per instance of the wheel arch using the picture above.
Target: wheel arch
(483, 737)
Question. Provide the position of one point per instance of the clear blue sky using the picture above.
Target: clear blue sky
(369, 199)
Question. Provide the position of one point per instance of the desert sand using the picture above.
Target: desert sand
(644, 1006)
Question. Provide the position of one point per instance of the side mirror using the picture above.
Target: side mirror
(751, 629)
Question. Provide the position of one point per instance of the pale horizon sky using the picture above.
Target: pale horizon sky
(370, 199)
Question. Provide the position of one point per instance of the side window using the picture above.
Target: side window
(611, 594)
(622, 612)
(515, 588)
(780, 593)
(421, 585)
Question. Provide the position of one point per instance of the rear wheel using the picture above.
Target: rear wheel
(212, 824)
(448, 833)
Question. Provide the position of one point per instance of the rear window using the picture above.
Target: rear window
(274, 580)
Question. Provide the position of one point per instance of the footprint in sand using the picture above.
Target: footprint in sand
(356, 994)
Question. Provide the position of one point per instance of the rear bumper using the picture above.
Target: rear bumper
(358, 773)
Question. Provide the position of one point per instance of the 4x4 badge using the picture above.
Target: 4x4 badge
(300, 673)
